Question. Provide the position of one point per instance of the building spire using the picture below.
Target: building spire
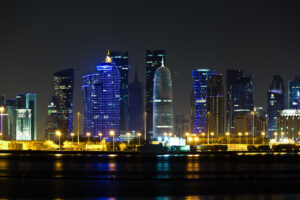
(162, 61)
(108, 58)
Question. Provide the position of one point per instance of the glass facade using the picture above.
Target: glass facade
(121, 61)
(162, 103)
(11, 111)
(153, 61)
(200, 79)
(276, 102)
(294, 94)
(52, 125)
(26, 128)
(240, 97)
(101, 96)
(63, 92)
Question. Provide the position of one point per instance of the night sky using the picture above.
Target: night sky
(38, 38)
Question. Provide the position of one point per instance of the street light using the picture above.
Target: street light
(212, 138)
(187, 135)
(100, 135)
(196, 140)
(88, 135)
(112, 133)
(58, 133)
(2, 109)
(170, 134)
(190, 140)
(228, 137)
(165, 134)
(139, 136)
(263, 135)
(240, 135)
(128, 137)
(282, 134)
(72, 136)
(252, 113)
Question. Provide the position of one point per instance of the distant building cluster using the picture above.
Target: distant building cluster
(219, 105)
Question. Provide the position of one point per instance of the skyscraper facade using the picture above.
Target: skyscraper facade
(162, 102)
(101, 96)
(26, 128)
(63, 92)
(294, 93)
(136, 105)
(276, 102)
(121, 61)
(52, 125)
(240, 97)
(192, 111)
(11, 105)
(153, 61)
(200, 79)
(215, 104)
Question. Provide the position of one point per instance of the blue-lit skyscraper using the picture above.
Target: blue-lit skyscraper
(121, 61)
(294, 93)
(200, 78)
(101, 96)
(162, 102)
(276, 102)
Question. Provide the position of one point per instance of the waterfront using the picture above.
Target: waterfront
(59, 175)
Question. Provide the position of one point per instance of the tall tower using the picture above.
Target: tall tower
(52, 125)
(121, 61)
(136, 105)
(294, 93)
(215, 104)
(240, 98)
(153, 61)
(63, 94)
(101, 96)
(276, 102)
(200, 79)
(162, 102)
(26, 128)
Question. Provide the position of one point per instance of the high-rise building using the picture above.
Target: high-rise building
(11, 105)
(240, 97)
(182, 125)
(162, 102)
(26, 128)
(215, 104)
(276, 103)
(192, 111)
(121, 61)
(63, 92)
(101, 96)
(153, 61)
(136, 105)
(289, 124)
(294, 93)
(200, 79)
(52, 125)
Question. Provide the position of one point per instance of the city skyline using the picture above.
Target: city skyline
(261, 42)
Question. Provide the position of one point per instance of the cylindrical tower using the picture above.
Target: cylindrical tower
(162, 103)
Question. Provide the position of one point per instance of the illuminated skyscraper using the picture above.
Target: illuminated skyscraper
(11, 111)
(136, 105)
(26, 128)
(162, 102)
(153, 61)
(101, 96)
(215, 104)
(52, 125)
(240, 97)
(276, 102)
(200, 79)
(63, 92)
(121, 61)
(294, 94)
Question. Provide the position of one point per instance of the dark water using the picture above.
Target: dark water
(194, 176)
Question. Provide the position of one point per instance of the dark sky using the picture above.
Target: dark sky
(38, 38)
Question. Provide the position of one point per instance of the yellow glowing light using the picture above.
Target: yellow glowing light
(275, 133)
(139, 134)
(190, 139)
(212, 134)
(240, 134)
(2, 109)
(88, 134)
(108, 58)
(170, 134)
(128, 134)
(187, 134)
(282, 133)
(196, 139)
(262, 133)
(202, 134)
(72, 134)
(246, 133)
(227, 133)
(58, 133)
(112, 133)
(100, 134)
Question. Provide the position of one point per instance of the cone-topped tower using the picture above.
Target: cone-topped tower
(162, 102)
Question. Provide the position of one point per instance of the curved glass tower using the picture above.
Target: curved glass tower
(162, 102)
